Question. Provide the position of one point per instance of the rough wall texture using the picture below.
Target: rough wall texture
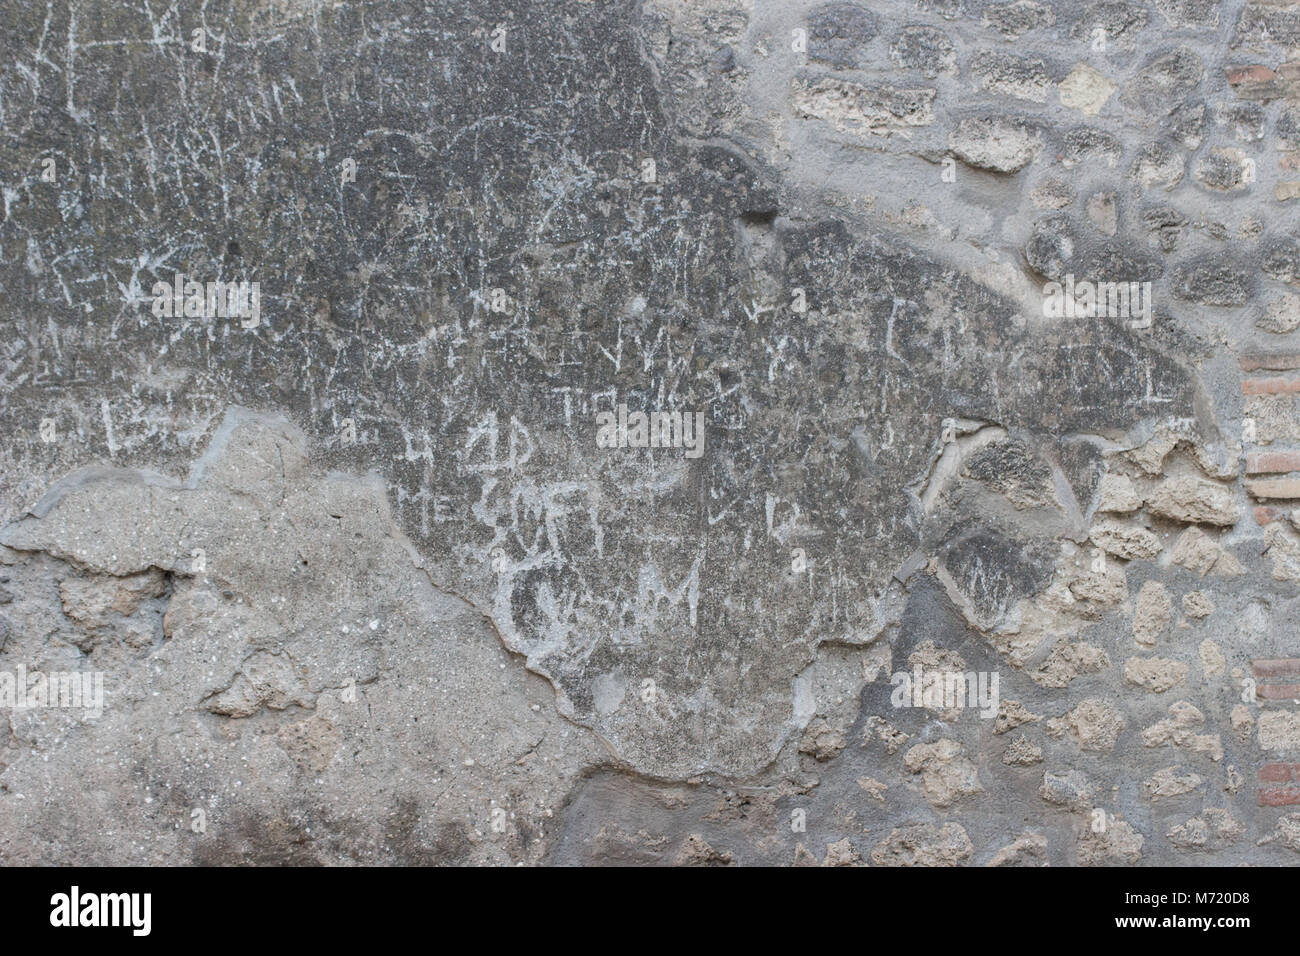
(364, 579)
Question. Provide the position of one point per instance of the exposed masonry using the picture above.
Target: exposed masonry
(365, 586)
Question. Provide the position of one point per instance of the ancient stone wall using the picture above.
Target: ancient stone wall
(655, 432)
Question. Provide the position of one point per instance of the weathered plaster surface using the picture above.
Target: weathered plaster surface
(364, 586)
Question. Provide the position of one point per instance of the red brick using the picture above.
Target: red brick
(1256, 82)
(1270, 386)
(1255, 73)
(1266, 515)
(1279, 361)
(1276, 667)
(1279, 796)
(1279, 773)
(1260, 462)
(1278, 691)
(1274, 487)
